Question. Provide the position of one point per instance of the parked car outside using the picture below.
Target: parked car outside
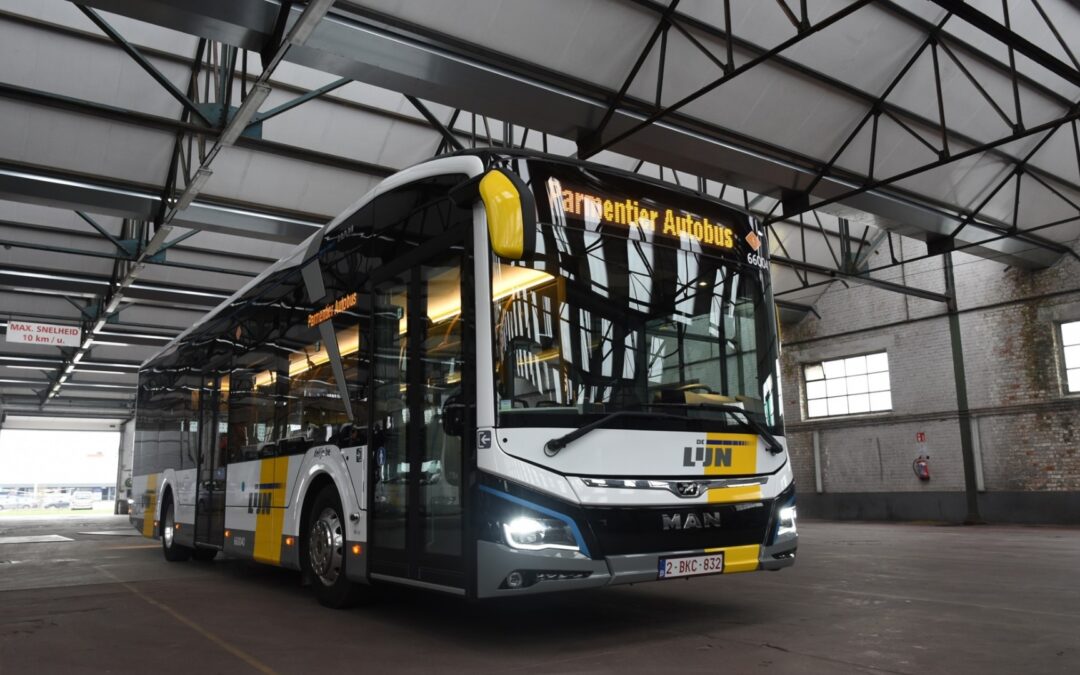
(16, 501)
(57, 501)
(82, 499)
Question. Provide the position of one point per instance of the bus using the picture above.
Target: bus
(498, 373)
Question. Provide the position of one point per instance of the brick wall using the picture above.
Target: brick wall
(1026, 429)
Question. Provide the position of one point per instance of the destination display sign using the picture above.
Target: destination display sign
(630, 213)
(615, 204)
(328, 312)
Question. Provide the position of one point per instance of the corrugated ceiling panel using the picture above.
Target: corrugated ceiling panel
(38, 58)
(285, 183)
(88, 145)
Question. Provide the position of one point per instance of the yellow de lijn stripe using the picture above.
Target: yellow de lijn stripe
(739, 558)
(151, 505)
(738, 493)
(269, 521)
(732, 455)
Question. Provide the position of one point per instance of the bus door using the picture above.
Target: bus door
(210, 496)
(417, 421)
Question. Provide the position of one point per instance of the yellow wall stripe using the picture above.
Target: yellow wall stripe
(151, 505)
(271, 515)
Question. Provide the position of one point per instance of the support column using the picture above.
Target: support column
(819, 483)
(123, 466)
(967, 448)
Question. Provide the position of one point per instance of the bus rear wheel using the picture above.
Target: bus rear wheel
(323, 552)
(173, 551)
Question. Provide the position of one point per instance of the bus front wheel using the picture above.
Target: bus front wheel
(324, 552)
(173, 551)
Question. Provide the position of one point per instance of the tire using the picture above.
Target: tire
(322, 552)
(204, 554)
(173, 551)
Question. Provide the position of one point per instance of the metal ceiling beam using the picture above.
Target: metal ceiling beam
(300, 100)
(33, 382)
(448, 137)
(866, 97)
(730, 74)
(126, 200)
(6, 243)
(17, 277)
(9, 228)
(137, 327)
(860, 279)
(379, 50)
(126, 274)
(168, 124)
(10, 360)
(1011, 39)
(165, 82)
(796, 307)
(90, 407)
(188, 63)
(294, 36)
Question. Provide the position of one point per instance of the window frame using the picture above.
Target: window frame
(806, 365)
(1064, 366)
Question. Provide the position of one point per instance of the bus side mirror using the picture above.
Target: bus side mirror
(511, 214)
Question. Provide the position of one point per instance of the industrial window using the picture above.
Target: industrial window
(848, 386)
(1070, 342)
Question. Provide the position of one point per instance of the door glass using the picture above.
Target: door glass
(391, 414)
(210, 502)
(440, 333)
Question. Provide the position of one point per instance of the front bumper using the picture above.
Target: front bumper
(624, 545)
(549, 571)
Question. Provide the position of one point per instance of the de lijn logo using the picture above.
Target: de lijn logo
(710, 453)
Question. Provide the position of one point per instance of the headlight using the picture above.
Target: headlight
(538, 533)
(785, 523)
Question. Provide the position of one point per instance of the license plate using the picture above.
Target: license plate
(691, 566)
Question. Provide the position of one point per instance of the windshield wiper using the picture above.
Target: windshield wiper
(553, 446)
(774, 446)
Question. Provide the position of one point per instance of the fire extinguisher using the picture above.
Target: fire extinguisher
(921, 467)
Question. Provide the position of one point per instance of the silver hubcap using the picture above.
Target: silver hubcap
(325, 543)
(168, 529)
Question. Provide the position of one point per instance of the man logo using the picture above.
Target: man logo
(691, 521)
(687, 489)
(707, 455)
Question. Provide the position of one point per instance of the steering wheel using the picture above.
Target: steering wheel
(453, 415)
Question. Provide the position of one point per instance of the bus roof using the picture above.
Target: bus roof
(471, 162)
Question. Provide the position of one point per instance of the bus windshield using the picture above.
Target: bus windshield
(597, 322)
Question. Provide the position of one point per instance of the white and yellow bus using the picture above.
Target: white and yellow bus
(498, 373)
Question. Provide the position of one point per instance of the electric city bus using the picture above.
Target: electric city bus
(496, 374)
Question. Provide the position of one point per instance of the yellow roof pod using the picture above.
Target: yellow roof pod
(511, 214)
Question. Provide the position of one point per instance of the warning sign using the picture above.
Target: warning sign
(26, 333)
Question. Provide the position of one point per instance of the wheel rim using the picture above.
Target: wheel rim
(325, 543)
(168, 528)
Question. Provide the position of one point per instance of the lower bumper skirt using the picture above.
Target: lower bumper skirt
(550, 571)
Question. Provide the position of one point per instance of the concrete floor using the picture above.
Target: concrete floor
(862, 598)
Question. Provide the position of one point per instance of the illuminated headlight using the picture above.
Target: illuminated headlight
(538, 533)
(785, 522)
